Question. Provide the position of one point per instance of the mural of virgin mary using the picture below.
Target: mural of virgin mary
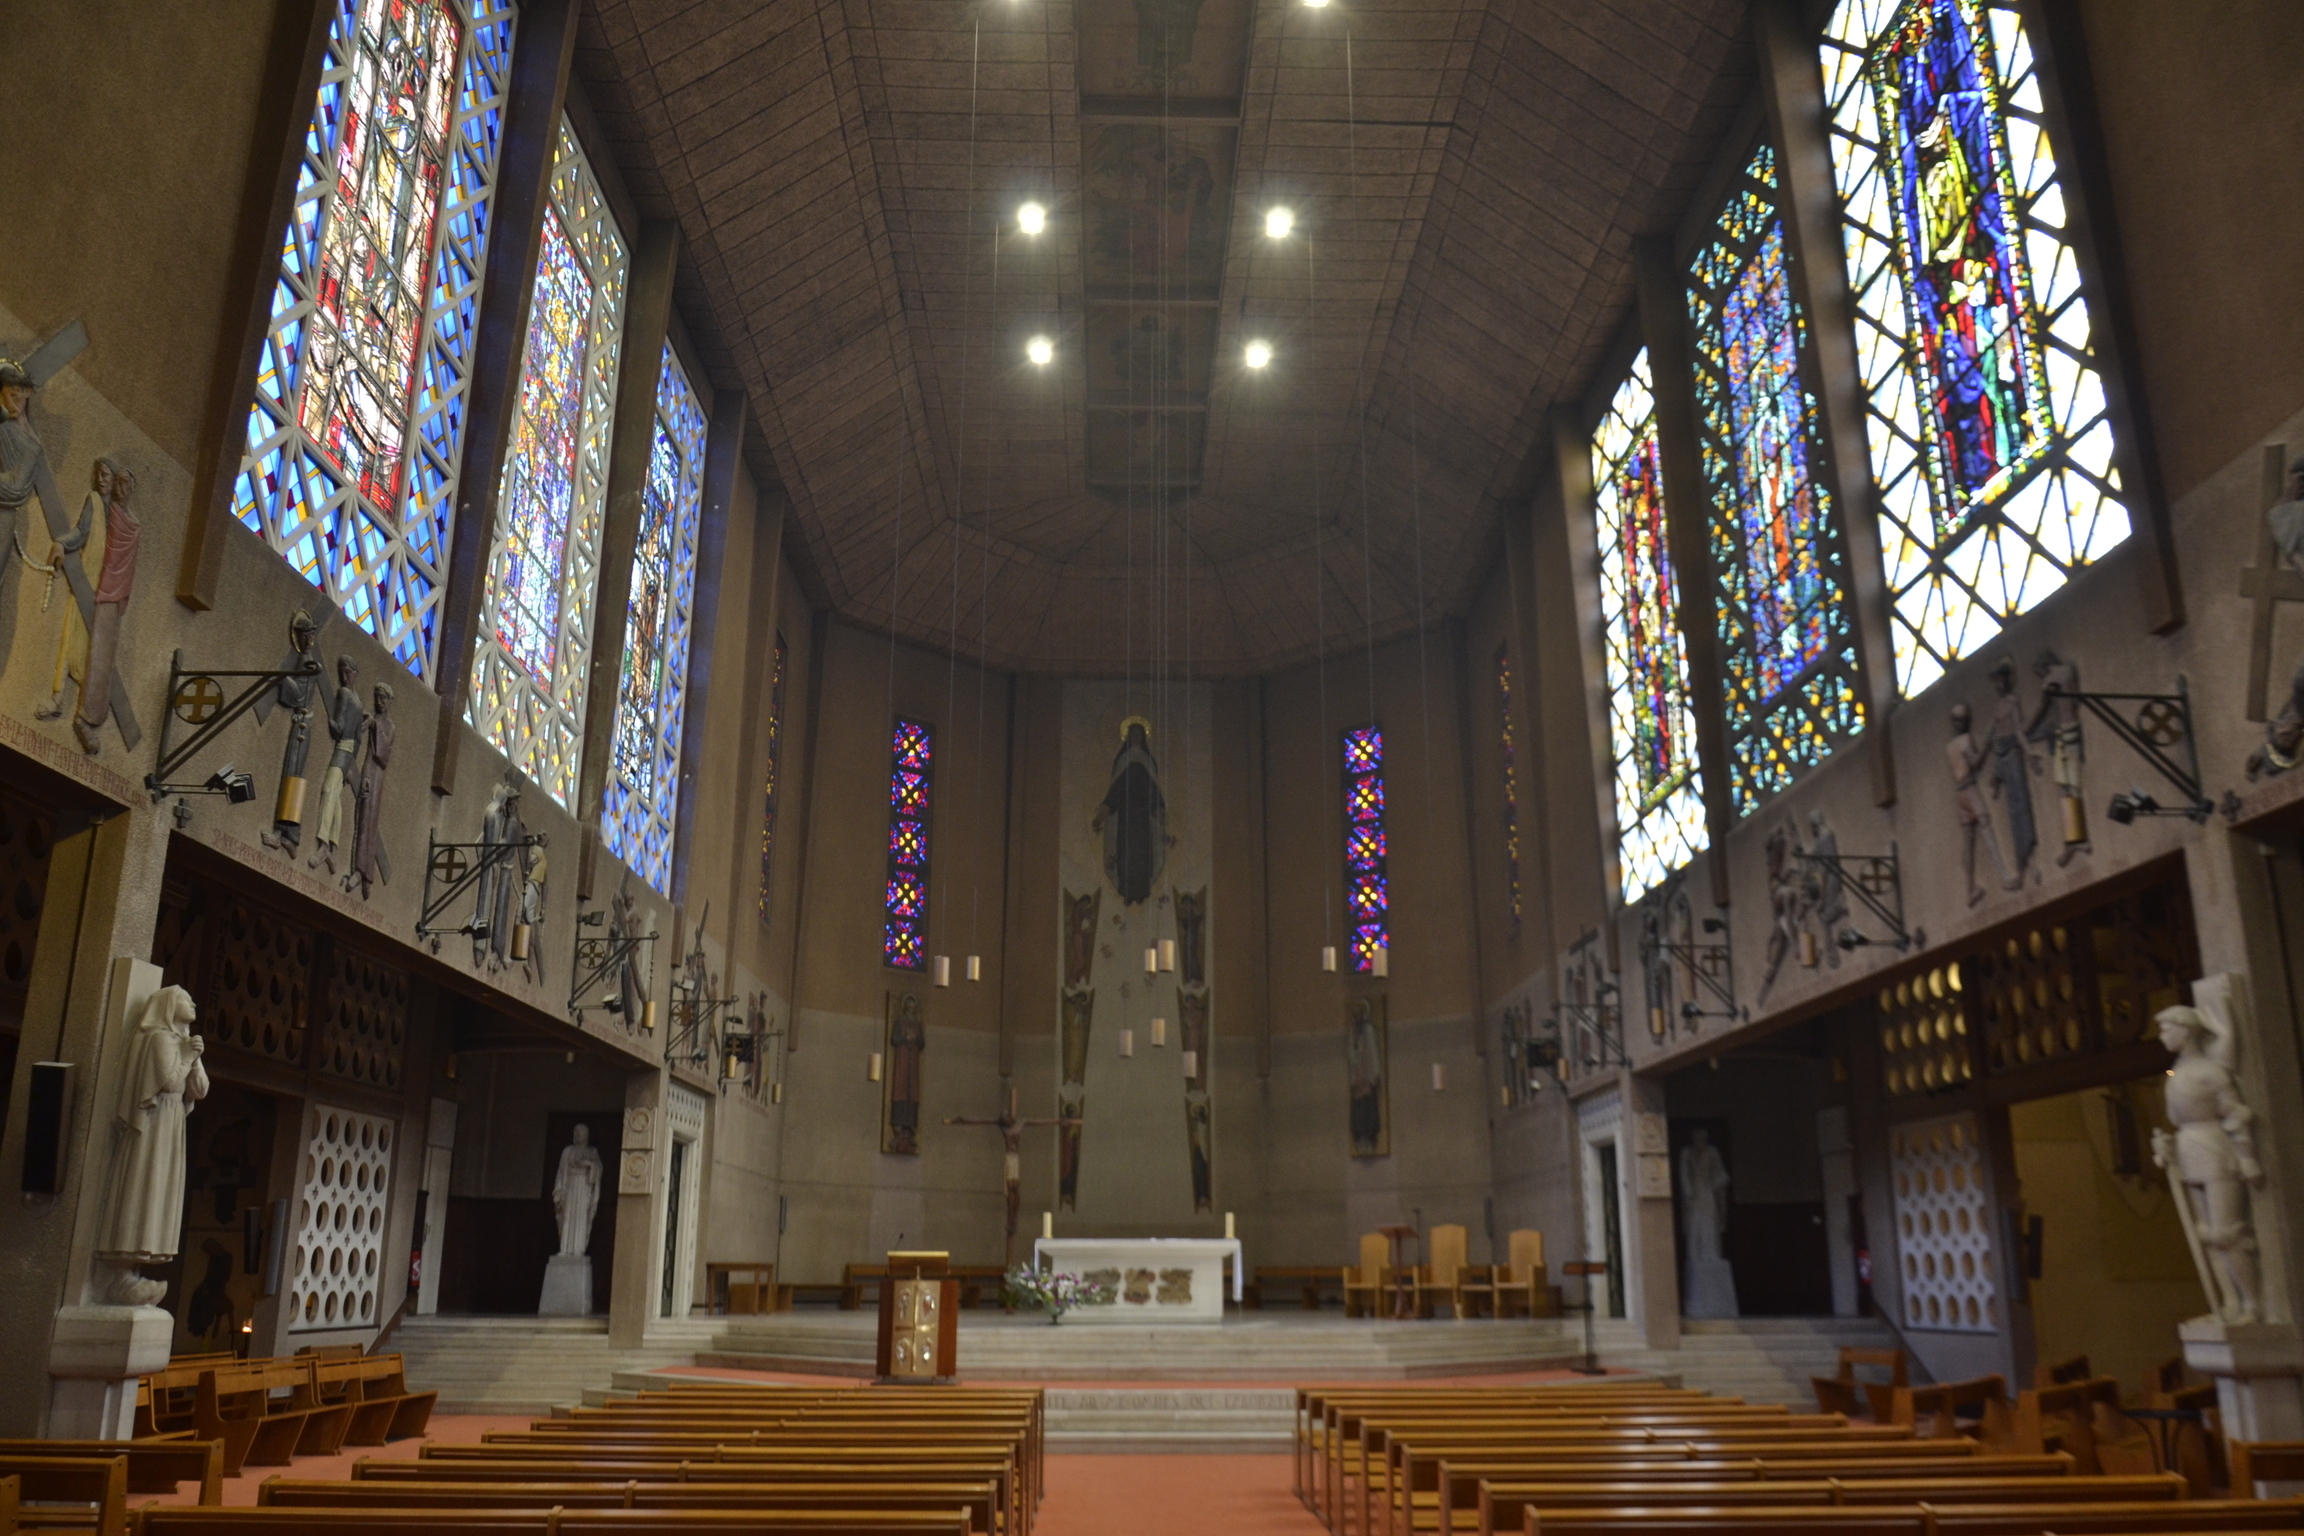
(1134, 816)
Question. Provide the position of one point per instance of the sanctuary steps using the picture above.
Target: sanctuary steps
(532, 1365)
(1760, 1359)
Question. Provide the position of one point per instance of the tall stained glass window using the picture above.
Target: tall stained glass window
(768, 791)
(357, 428)
(535, 645)
(1652, 729)
(1367, 898)
(1989, 436)
(911, 778)
(643, 787)
(1511, 780)
(1787, 650)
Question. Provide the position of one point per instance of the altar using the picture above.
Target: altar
(1153, 1279)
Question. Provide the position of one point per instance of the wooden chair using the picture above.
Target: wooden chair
(2265, 1461)
(1443, 1276)
(1522, 1282)
(2194, 1449)
(1984, 1399)
(1843, 1393)
(1365, 1287)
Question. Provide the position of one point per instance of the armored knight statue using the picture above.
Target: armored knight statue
(2211, 1159)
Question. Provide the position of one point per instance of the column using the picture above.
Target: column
(639, 1175)
(1648, 1224)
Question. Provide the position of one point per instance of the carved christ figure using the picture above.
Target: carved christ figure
(576, 1193)
(1011, 1160)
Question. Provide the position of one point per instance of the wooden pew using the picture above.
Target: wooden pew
(2264, 1461)
(236, 1406)
(980, 1499)
(163, 1520)
(154, 1466)
(1943, 1406)
(1490, 1495)
(94, 1487)
(375, 1387)
(2107, 1519)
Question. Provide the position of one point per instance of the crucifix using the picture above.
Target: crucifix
(23, 459)
(1011, 1161)
(2274, 578)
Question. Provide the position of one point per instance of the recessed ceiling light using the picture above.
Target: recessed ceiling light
(1031, 218)
(1316, 4)
(1277, 223)
(1259, 353)
(1041, 350)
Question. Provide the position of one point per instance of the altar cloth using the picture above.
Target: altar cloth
(1154, 1279)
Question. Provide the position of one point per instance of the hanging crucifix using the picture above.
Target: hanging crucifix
(1011, 1162)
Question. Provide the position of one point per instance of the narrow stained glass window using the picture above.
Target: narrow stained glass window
(911, 777)
(768, 775)
(1367, 900)
(356, 432)
(1652, 729)
(1511, 781)
(1787, 652)
(534, 649)
(1989, 435)
(643, 788)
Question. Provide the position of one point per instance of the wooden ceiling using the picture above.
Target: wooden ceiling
(1465, 194)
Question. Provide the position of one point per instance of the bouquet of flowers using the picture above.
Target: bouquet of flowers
(1055, 1293)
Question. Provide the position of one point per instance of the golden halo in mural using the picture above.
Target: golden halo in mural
(1135, 720)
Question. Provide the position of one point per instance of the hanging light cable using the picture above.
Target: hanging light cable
(943, 963)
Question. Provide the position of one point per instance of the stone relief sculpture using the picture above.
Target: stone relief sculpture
(624, 922)
(501, 892)
(72, 635)
(907, 1042)
(347, 723)
(1964, 755)
(295, 694)
(164, 1078)
(371, 863)
(1786, 885)
(2011, 765)
(576, 1193)
(2211, 1159)
(2056, 723)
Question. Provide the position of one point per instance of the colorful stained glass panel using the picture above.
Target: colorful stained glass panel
(1989, 433)
(1787, 647)
(1652, 730)
(354, 436)
(1366, 882)
(911, 785)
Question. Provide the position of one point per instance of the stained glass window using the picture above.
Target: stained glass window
(1366, 896)
(357, 428)
(1989, 436)
(534, 651)
(1652, 730)
(911, 777)
(643, 787)
(1511, 781)
(768, 792)
(1787, 651)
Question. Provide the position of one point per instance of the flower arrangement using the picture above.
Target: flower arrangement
(1055, 1293)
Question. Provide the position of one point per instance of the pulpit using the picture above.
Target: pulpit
(919, 1318)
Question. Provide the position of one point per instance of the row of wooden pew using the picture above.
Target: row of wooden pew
(709, 1457)
(268, 1412)
(1642, 1459)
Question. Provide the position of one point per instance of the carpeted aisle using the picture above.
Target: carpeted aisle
(1166, 1495)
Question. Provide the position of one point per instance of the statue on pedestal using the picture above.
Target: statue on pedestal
(1711, 1289)
(576, 1193)
(163, 1079)
(2211, 1159)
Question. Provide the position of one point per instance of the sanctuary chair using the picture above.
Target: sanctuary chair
(1522, 1283)
(1364, 1287)
(1444, 1276)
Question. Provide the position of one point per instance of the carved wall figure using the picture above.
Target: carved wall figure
(347, 724)
(295, 694)
(2056, 722)
(1964, 755)
(2211, 1159)
(164, 1078)
(1365, 1075)
(371, 861)
(2011, 766)
(72, 634)
(907, 1042)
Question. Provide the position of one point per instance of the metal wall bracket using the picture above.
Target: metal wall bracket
(2162, 721)
(597, 959)
(451, 870)
(1877, 881)
(197, 699)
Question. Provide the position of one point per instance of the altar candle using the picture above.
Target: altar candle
(1229, 1234)
(1047, 1223)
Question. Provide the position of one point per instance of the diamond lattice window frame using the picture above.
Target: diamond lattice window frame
(1960, 562)
(538, 720)
(381, 558)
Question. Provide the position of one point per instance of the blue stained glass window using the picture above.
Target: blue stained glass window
(1787, 648)
(1366, 896)
(911, 782)
(1989, 433)
(1652, 728)
(643, 787)
(355, 434)
(531, 665)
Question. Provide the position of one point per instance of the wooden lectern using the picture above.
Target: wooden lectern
(919, 1319)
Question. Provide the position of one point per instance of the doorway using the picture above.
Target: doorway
(2115, 1275)
(675, 1214)
(1612, 1228)
(217, 1279)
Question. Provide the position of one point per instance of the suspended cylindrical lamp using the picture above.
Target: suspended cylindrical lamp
(1439, 1077)
(872, 1069)
(1230, 1235)
(1127, 1043)
(1381, 965)
(1151, 960)
(1048, 1224)
(975, 967)
(775, 1093)
(1328, 957)
(648, 1016)
(1191, 1064)
(1159, 1032)
(520, 938)
(289, 808)
(1808, 948)
(943, 970)
(1656, 1020)
(1167, 954)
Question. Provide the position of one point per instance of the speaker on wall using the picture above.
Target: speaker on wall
(46, 1120)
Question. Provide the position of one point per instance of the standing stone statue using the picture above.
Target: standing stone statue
(624, 924)
(346, 721)
(503, 882)
(295, 694)
(1965, 755)
(2011, 765)
(1711, 1284)
(2056, 722)
(72, 636)
(576, 1193)
(164, 1078)
(371, 862)
(2211, 1159)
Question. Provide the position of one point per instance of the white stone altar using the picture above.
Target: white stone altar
(1155, 1279)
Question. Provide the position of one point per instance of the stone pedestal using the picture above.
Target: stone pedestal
(1711, 1289)
(567, 1286)
(2259, 1371)
(94, 1359)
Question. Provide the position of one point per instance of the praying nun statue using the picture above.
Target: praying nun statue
(163, 1080)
